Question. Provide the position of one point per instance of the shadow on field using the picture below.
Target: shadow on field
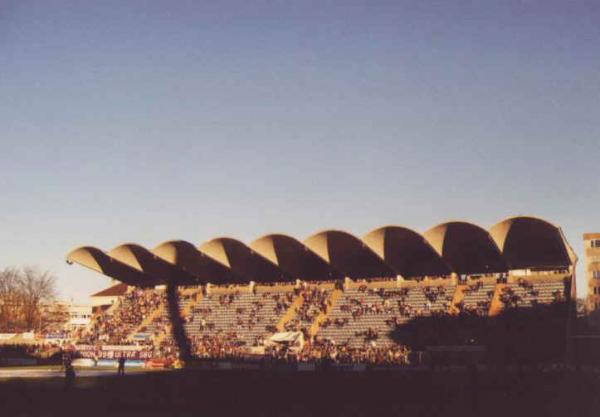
(243, 393)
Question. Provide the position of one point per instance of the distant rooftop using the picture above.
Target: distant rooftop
(114, 291)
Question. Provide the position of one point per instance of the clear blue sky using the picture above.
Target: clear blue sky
(146, 121)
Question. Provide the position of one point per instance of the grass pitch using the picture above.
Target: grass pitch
(247, 393)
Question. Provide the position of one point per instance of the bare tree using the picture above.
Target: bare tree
(37, 287)
(22, 292)
(10, 300)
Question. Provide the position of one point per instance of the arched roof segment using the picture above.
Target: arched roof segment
(204, 268)
(158, 269)
(97, 260)
(406, 251)
(528, 242)
(349, 255)
(466, 248)
(244, 261)
(293, 257)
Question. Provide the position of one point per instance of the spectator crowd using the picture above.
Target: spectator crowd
(238, 324)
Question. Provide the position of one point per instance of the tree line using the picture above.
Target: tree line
(23, 294)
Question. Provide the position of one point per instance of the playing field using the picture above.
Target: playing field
(56, 371)
(242, 393)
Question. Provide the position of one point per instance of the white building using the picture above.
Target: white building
(79, 315)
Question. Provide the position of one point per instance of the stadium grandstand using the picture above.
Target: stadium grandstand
(394, 297)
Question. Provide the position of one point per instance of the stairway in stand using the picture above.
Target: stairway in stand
(290, 313)
(496, 306)
(459, 295)
(314, 329)
(147, 322)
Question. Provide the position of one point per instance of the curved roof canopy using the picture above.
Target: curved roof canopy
(466, 248)
(349, 255)
(294, 258)
(244, 261)
(528, 242)
(461, 247)
(97, 260)
(160, 271)
(406, 251)
(201, 266)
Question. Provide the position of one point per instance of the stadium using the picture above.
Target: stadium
(458, 320)
(300, 208)
(456, 294)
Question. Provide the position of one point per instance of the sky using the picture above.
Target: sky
(145, 121)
